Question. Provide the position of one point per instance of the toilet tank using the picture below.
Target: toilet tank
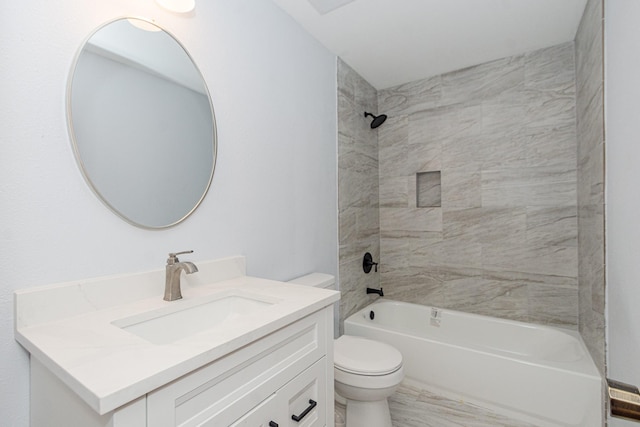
(325, 281)
(317, 280)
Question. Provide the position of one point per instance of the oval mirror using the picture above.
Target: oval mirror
(141, 123)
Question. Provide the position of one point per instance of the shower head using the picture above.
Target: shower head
(377, 120)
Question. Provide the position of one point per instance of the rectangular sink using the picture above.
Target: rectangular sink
(169, 324)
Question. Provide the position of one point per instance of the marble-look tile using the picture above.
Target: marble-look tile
(529, 278)
(449, 252)
(503, 136)
(346, 80)
(490, 298)
(543, 186)
(590, 127)
(413, 407)
(428, 192)
(550, 260)
(356, 189)
(598, 291)
(482, 81)
(552, 226)
(394, 192)
(589, 50)
(412, 188)
(499, 114)
(423, 157)
(591, 227)
(549, 145)
(354, 157)
(550, 68)
(346, 118)
(395, 253)
(393, 145)
(415, 285)
(486, 225)
(411, 219)
(461, 188)
(553, 305)
(347, 225)
(410, 97)
(354, 250)
(367, 223)
(445, 123)
(551, 108)
(590, 131)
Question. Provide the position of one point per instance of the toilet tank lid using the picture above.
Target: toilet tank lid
(364, 356)
(318, 280)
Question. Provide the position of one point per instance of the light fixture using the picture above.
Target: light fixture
(178, 6)
(144, 25)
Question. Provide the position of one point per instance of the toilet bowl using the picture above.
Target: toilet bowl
(366, 372)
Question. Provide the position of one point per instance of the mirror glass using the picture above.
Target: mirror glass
(141, 123)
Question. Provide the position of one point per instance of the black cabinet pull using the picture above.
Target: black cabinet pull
(298, 418)
(273, 424)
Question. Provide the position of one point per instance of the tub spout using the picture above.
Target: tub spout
(375, 291)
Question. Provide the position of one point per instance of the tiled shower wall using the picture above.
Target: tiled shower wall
(359, 225)
(590, 124)
(498, 234)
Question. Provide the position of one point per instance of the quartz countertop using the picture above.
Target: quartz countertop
(69, 328)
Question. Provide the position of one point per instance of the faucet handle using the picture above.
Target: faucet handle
(173, 256)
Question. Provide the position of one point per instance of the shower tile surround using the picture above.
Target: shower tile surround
(590, 122)
(359, 223)
(502, 136)
(518, 144)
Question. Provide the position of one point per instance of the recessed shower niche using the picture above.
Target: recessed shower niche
(428, 190)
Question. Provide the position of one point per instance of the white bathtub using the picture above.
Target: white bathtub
(533, 373)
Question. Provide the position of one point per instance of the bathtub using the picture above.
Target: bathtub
(537, 374)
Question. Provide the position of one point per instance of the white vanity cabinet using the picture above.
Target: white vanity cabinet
(264, 384)
(269, 381)
(236, 350)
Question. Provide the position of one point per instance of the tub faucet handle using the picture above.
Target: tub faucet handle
(367, 263)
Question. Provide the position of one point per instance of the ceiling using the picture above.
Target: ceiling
(390, 42)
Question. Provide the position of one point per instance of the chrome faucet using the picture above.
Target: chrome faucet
(173, 270)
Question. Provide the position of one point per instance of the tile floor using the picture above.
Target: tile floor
(411, 407)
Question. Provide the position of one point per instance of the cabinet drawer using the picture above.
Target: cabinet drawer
(260, 416)
(293, 399)
(223, 391)
(305, 397)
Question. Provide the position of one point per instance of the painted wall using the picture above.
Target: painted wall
(147, 126)
(273, 197)
(622, 107)
(478, 189)
(359, 226)
(590, 128)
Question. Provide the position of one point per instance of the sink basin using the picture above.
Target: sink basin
(170, 324)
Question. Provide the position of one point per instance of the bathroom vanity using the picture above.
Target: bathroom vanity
(235, 351)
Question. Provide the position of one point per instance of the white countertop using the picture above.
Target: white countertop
(69, 328)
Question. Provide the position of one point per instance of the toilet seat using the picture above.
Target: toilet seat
(361, 356)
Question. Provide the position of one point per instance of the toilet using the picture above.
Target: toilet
(366, 372)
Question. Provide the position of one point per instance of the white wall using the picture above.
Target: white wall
(273, 196)
(622, 107)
